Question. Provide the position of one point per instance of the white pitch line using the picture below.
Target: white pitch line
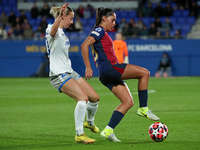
(149, 91)
(133, 93)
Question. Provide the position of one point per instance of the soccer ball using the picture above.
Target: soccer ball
(158, 131)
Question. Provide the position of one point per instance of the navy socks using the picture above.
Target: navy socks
(115, 119)
(143, 97)
(117, 116)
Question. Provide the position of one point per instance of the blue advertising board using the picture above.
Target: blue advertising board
(23, 58)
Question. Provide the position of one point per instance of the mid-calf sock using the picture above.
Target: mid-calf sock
(115, 119)
(79, 115)
(91, 111)
(143, 97)
(108, 127)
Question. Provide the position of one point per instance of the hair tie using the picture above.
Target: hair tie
(101, 9)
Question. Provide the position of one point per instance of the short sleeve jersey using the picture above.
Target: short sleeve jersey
(102, 49)
(57, 49)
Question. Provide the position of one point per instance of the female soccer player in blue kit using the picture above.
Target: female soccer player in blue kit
(112, 73)
(64, 78)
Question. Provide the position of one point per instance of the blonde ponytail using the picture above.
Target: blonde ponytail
(55, 11)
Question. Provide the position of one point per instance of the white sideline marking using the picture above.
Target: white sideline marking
(133, 93)
(149, 91)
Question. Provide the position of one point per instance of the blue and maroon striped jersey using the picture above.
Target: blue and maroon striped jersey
(102, 50)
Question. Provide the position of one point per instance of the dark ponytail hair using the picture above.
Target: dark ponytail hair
(101, 11)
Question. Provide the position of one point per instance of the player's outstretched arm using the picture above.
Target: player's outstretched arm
(57, 20)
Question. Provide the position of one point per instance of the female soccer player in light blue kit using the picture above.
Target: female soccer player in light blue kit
(112, 73)
(64, 78)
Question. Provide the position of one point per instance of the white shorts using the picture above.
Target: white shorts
(59, 80)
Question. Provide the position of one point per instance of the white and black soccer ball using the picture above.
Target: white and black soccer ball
(158, 131)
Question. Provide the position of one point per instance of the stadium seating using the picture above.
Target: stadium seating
(186, 28)
(50, 20)
(73, 35)
(191, 20)
(132, 14)
(28, 15)
(146, 20)
(176, 26)
(180, 19)
(185, 12)
(7, 9)
(172, 20)
(177, 13)
(123, 14)
(32, 22)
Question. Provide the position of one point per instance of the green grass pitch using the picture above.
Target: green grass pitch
(33, 115)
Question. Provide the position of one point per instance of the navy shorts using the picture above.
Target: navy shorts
(112, 76)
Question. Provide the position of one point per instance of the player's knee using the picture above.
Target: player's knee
(95, 98)
(84, 98)
(129, 103)
(146, 73)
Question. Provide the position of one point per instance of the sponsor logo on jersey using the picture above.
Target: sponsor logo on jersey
(98, 29)
(96, 33)
(67, 43)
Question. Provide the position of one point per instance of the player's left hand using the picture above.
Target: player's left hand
(63, 8)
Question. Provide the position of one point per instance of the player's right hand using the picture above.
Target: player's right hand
(88, 73)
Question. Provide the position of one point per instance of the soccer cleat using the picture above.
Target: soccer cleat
(147, 113)
(93, 128)
(83, 138)
(109, 135)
